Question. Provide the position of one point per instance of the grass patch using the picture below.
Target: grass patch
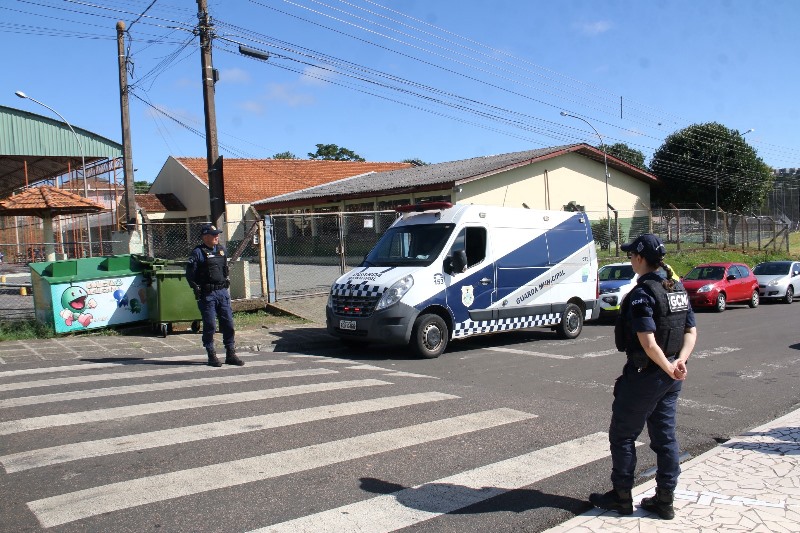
(18, 330)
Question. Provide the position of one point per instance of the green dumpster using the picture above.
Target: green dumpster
(89, 293)
(170, 297)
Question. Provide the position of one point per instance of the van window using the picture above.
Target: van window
(412, 245)
(472, 241)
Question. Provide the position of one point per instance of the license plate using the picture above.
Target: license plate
(347, 324)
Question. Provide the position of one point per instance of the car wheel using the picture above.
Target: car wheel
(789, 298)
(429, 336)
(571, 322)
(754, 299)
(721, 303)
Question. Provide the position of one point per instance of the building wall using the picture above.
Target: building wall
(176, 179)
(553, 183)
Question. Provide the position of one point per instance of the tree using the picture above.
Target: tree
(415, 162)
(141, 187)
(284, 155)
(630, 155)
(710, 165)
(333, 152)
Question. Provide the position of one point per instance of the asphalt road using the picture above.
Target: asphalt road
(501, 433)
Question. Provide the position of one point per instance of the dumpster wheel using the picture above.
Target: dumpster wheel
(195, 326)
(164, 329)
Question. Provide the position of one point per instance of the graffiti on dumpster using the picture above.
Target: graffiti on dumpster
(98, 303)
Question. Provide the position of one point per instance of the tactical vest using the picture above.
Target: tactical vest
(669, 315)
(214, 270)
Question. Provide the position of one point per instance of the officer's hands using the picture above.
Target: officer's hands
(679, 370)
(197, 292)
(227, 283)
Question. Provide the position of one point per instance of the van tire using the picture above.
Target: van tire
(429, 336)
(571, 322)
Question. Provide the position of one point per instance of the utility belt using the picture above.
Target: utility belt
(209, 287)
(643, 363)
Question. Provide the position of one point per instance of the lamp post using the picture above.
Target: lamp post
(83, 159)
(605, 165)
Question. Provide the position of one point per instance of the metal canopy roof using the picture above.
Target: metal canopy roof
(48, 147)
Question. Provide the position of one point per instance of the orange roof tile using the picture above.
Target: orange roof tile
(39, 200)
(250, 180)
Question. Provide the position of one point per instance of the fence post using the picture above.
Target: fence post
(342, 253)
(758, 231)
(786, 232)
(267, 259)
(704, 228)
(678, 227)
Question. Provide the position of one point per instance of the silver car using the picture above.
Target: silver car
(778, 279)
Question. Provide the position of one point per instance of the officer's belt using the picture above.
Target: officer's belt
(208, 287)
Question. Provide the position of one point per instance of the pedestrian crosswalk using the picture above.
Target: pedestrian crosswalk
(60, 422)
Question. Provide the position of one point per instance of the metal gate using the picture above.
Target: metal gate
(313, 249)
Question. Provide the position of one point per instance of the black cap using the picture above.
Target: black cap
(648, 246)
(209, 229)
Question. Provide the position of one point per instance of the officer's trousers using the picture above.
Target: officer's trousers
(647, 397)
(213, 305)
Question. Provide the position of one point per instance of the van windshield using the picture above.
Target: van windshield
(412, 245)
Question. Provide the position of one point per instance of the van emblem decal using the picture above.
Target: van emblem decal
(467, 296)
(438, 279)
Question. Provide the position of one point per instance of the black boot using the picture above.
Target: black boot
(231, 358)
(618, 500)
(212, 358)
(660, 504)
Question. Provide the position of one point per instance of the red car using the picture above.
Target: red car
(718, 284)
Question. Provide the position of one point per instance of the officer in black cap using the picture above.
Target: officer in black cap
(656, 329)
(207, 273)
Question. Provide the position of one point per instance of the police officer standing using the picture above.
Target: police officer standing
(207, 273)
(656, 329)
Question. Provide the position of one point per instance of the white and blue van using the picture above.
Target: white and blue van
(445, 271)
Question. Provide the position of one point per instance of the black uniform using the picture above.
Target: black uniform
(644, 393)
(207, 273)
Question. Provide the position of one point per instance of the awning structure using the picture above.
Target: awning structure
(36, 148)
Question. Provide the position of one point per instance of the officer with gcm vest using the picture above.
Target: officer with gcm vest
(207, 273)
(656, 329)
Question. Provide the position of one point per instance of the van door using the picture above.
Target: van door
(469, 293)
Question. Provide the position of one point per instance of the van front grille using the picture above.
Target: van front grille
(355, 305)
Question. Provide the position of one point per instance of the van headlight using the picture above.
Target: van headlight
(706, 288)
(394, 293)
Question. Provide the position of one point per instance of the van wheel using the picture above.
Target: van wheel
(429, 336)
(571, 322)
(721, 302)
(754, 299)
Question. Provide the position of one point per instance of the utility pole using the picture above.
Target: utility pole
(127, 150)
(216, 187)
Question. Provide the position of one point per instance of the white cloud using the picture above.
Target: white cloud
(594, 28)
(234, 75)
(316, 76)
(251, 106)
(288, 94)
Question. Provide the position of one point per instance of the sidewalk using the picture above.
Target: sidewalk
(749, 484)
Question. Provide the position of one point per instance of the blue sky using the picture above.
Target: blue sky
(437, 80)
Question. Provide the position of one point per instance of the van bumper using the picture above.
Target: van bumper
(392, 325)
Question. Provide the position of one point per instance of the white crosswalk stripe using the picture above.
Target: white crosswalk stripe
(73, 506)
(416, 504)
(150, 387)
(82, 450)
(113, 413)
(135, 374)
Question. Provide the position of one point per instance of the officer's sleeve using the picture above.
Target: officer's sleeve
(690, 320)
(191, 267)
(641, 311)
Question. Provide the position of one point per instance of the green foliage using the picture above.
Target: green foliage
(600, 232)
(630, 155)
(573, 206)
(415, 162)
(24, 329)
(705, 161)
(141, 187)
(334, 153)
(284, 155)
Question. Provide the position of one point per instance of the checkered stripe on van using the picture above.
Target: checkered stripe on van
(470, 327)
(365, 291)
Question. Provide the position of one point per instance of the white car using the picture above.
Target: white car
(616, 281)
(778, 280)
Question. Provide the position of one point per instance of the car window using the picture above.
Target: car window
(772, 269)
(618, 272)
(706, 273)
(473, 242)
(742, 271)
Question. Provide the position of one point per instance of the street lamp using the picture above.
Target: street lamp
(83, 159)
(605, 164)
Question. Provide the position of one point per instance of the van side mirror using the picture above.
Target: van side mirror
(456, 263)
